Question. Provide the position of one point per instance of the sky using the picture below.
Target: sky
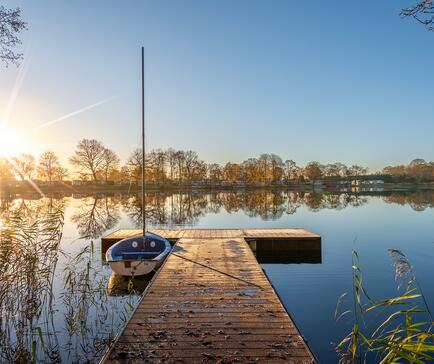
(329, 81)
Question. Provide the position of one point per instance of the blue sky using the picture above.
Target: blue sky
(308, 80)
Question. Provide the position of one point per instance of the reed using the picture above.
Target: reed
(44, 322)
(29, 244)
(392, 330)
(91, 317)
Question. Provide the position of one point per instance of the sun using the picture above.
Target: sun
(10, 143)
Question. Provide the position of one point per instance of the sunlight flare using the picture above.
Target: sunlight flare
(22, 71)
(69, 115)
(10, 143)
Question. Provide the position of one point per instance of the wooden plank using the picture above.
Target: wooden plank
(280, 233)
(212, 233)
(173, 234)
(210, 302)
(127, 233)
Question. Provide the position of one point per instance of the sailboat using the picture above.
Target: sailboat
(144, 253)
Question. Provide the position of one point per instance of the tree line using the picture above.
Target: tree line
(417, 169)
(25, 166)
(93, 161)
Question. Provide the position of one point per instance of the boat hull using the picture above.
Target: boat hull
(134, 267)
(138, 255)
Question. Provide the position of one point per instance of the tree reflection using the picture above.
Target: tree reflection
(267, 205)
(180, 209)
(417, 200)
(292, 202)
(214, 202)
(170, 210)
(31, 325)
(96, 215)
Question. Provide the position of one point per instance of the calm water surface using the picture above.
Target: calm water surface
(60, 302)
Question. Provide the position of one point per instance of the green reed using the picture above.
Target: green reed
(392, 330)
(29, 243)
(89, 313)
(45, 323)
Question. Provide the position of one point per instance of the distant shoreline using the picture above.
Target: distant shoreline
(25, 188)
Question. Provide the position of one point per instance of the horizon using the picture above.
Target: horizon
(230, 81)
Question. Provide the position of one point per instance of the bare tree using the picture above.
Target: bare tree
(89, 158)
(265, 162)
(200, 170)
(343, 169)
(11, 25)
(191, 160)
(134, 164)
(232, 172)
(5, 171)
(313, 170)
(276, 167)
(289, 169)
(157, 164)
(417, 162)
(331, 170)
(49, 168)
(215, 172)
(180, 162)
(356, 170)
(124, 174)
(60, 174)
(423, 12)
(171, 162)
(251, 170)
(110, 163)
(24, 166)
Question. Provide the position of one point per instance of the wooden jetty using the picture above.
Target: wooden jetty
(211, 302)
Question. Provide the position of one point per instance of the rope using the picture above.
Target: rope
(219, 271)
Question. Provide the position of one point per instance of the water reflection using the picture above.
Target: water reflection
(122, 286)
(417, 200)
(163, 209)
(186, 209)
(54, 306)
(283, 251)
(59, 303)
(30, 234)
(96, 215)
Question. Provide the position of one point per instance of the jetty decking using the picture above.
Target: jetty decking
(211, 303)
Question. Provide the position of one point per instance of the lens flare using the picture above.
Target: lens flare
(10, 143)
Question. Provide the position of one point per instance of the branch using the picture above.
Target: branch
(11, 25)
(423, 12)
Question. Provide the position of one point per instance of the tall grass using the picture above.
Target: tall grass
(29, 243)
(90, 315)
(392, 330)
(54, 305)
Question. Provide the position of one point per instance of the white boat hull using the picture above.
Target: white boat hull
(134, 267)
(138, 255)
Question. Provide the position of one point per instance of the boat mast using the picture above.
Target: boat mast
(143, 143)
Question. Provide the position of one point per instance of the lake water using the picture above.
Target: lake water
(60, 302)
